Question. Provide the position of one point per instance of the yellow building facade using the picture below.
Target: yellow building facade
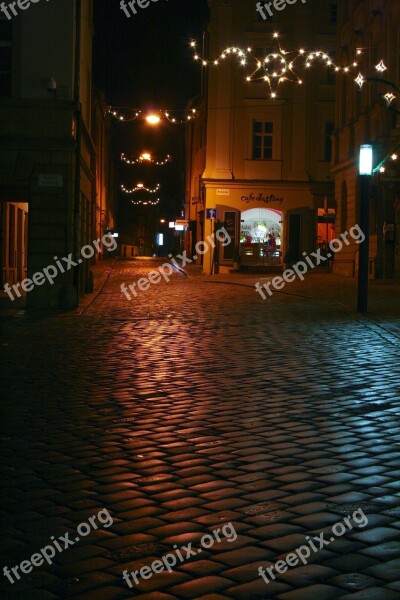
(262, 163)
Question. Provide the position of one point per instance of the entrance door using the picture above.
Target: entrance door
(300, 233)
(13, 242)
(229, 218)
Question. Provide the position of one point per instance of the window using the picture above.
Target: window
(329, 127)
(262, 140)
(5, 57)
(334, 14)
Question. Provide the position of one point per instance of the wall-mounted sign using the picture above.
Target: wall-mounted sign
(260, 198)
(211, 213)
(222, 192)
(50, 180)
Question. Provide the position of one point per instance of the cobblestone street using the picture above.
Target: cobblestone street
(194, 405)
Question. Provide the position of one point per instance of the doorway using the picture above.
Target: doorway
(261, 237)
(13, 242)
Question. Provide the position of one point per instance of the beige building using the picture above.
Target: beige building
(104, 217)
(363, 116)
(263, 163)
(48, 158)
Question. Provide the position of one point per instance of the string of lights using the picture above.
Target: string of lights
(140, 187)
(152, 118)
(146, 202)
(277, 65)
(146, 158)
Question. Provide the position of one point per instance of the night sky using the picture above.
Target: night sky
(145, 62)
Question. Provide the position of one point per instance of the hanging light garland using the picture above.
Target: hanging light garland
(140, 187)
(151, 117)
(146, 202)
(146, 158)
(276, 66)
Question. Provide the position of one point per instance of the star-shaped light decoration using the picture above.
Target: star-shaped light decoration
(276, 65)
(360, 80)
(389, 97)
(381, 67)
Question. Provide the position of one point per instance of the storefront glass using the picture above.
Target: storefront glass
(260, 237)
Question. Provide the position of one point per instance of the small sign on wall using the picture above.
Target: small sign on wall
(50, 180)
(222, 192)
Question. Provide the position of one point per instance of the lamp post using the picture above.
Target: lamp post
(365, 171)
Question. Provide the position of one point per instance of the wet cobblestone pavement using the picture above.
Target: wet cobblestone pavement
(187, 408)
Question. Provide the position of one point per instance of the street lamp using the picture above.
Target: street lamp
(153, 119)
(365, 171)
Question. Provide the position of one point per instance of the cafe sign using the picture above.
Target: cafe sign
(260, 198)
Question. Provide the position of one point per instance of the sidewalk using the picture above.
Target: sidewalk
(383, 295)
(101, 270)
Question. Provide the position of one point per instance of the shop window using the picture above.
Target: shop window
(5, 57)
(262, 140)
(326, 228)
(260, 236)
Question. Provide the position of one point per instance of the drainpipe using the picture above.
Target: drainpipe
(78, 117)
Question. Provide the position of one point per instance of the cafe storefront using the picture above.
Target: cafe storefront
(269, 224)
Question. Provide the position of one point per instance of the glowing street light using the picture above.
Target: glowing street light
(365, 159)
(145, 156)
(365, 171)
(153, 119)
